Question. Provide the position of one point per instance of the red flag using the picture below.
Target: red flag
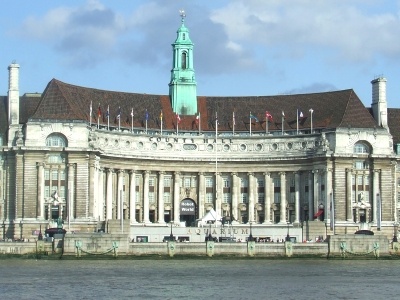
(178, 118)
(268, 116)
(198, 118)
(99, 111)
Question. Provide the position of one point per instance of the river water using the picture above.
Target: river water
(199, 279)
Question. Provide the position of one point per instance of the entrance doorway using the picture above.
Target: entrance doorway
(188, 212)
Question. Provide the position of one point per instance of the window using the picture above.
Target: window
(361, 148)
(167, 181)
(184, 56)
(361, 165)
(209, 182)
(56, 140)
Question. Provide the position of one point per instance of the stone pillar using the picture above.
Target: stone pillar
(375, 191)
(92, 188)
(267, 202)
(161, 197)
(316, 191)
(109, 194)
(251, 197)
(132, 196)
(349, 208)
(146, 205)
(218, 194)
(177, 180)
(328, 194)
(71, 190)
(283, 198)
(120, 197)
(310, 196)
(100, 195)
(202, 190)
(40, 196)
(235, 196)
(297, 197)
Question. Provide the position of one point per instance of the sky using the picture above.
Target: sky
(241, 47)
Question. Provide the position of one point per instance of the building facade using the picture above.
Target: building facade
(93, 157)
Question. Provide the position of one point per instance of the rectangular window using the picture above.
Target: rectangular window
(261, 198)
(186, 182)
(227, 198)
(54, 175)
(209, 197)
(167, 197)
(151, 197)
(167, 181)
(209, 182)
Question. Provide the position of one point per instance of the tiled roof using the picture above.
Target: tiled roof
(394, 123)
(62, 101)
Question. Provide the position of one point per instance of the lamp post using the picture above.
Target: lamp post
(395, 233)
(40, 236)
(287, 235)
(209, 238)
(250, 239)
(171, 236)
(4, 230)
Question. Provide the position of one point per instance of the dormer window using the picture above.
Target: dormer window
(361, 148)
(56, 140)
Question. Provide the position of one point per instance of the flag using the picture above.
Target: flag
(300, 113)
(108, 111)
(268, 116)
(132, 113)
(146, 115)
(283, 114)
(233, 119)
(161, 115)
(119, 113)
(99, 112)
(198, 118)
(178, 119)
(253, 117)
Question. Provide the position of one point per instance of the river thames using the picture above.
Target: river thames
(199, 279)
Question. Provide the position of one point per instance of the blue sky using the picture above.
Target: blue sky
(242, 47)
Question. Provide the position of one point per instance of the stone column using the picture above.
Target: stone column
(146, 204)
(218, 194)
(310, 196)
(202, 190)
(71, 191)
(120, 197)
(100, 195)
(349, 208)
(40, 196)
(161, 197)
(235, 196)
(251, 197)
(297, 197)
(92, 189)
(109, 194)
(316, 192)
(267, 200)
(283, 198)
(132, 196)
(375, 191)
(177, 180)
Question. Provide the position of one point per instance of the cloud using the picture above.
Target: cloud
(317, 87)
(350, 30)
(83, 35)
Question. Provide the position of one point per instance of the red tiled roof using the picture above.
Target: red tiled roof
(62, 101)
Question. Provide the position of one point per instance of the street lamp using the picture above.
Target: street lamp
(287, 235)
(171, 236)
(250, 238)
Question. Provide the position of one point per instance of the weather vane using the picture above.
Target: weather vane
(182, 14)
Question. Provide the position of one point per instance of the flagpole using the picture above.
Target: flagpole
(234, 123)
(311, 111)
(119, 119)
(199, 123)
(161, 116)
(250, 123)
(146, 116)
(132, 120)
(297, 121)
(266, 123)
(177, 124)
(283, 117)
(108, 117)
(90, 114)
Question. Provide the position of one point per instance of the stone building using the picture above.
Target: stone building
(94, 157)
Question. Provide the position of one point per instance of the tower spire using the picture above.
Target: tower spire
(182, 87)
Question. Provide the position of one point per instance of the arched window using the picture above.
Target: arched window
(56, 140)
(361, 148)
(184, 56)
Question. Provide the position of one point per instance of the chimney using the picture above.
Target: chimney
(379, 103)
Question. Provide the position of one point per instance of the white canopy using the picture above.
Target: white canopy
(212, 216)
